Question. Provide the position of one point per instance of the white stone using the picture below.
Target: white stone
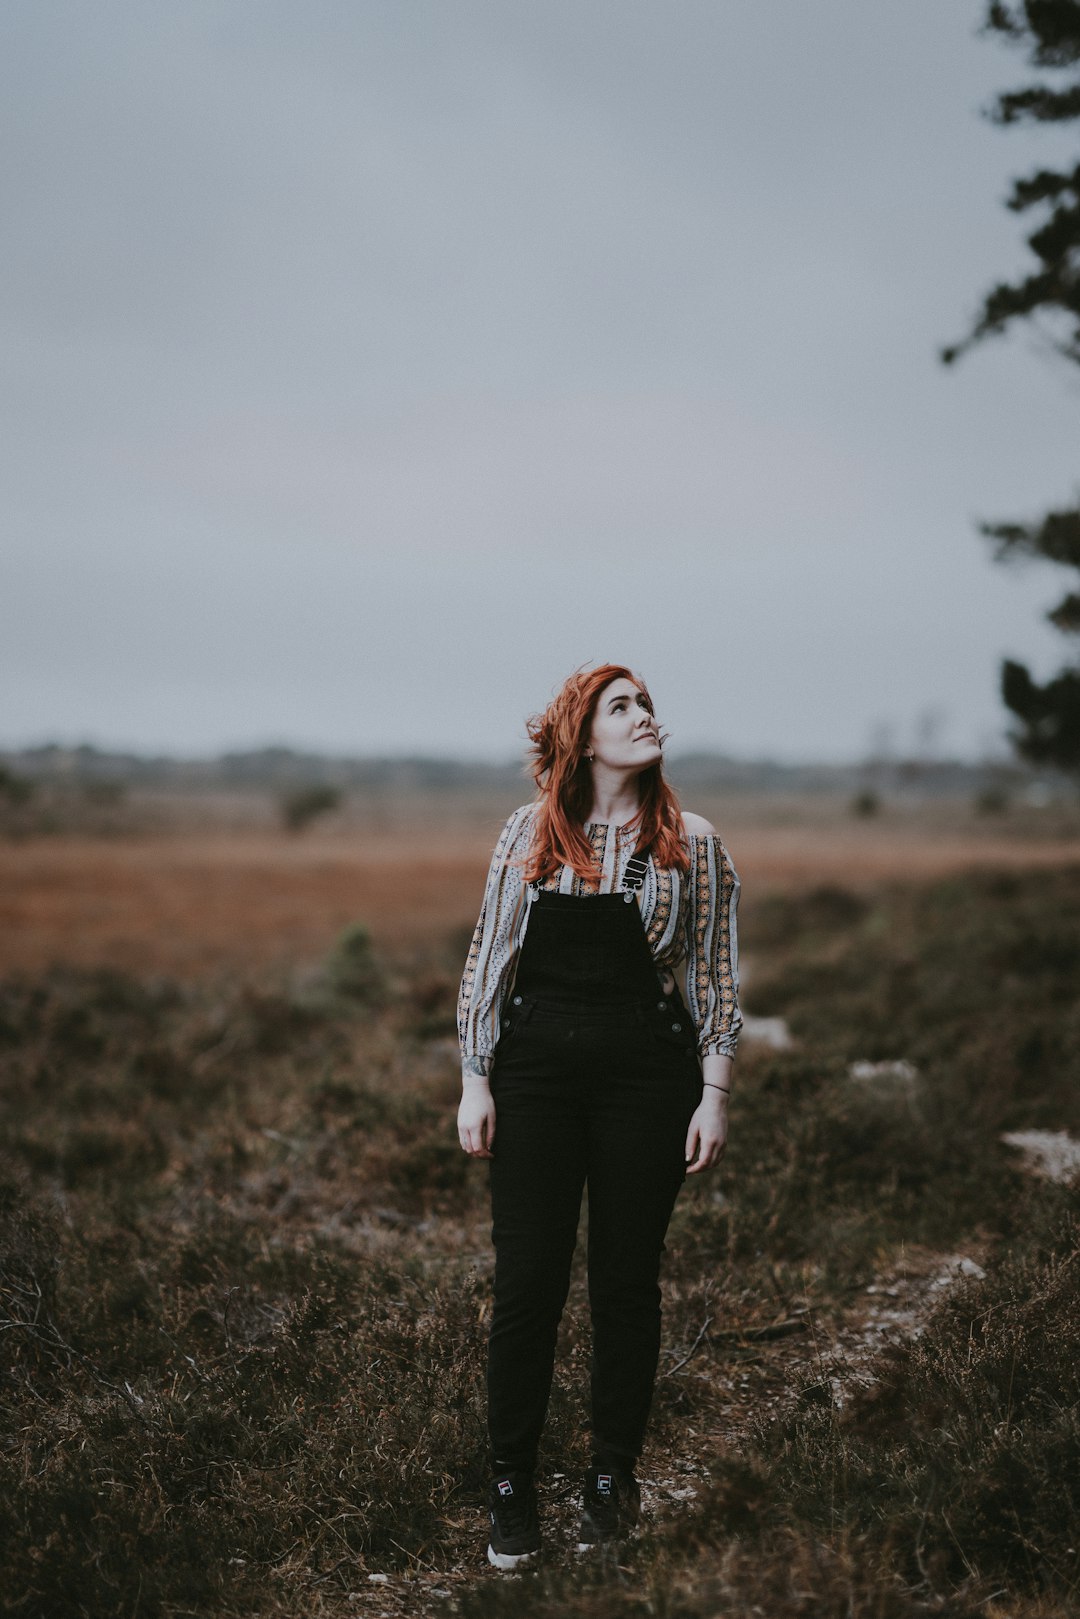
(955, 1268)
(872, 1072)
(767, 1031)
(1054, 1154)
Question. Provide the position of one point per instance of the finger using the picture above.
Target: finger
(481, 1139)
(706, 1159)
(691, 1144)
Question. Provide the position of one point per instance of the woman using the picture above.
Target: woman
(583, 1065)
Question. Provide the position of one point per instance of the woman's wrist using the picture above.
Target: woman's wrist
(472, 1084)
(474, 1072)
(717, 1073)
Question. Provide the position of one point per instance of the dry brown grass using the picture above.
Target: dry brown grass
(245, 1281)
(192, 902)
(192, 906)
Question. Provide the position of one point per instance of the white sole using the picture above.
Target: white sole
(508, 1561)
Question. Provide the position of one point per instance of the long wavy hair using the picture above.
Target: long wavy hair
(558, 738)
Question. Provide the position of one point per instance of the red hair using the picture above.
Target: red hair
(558, 738)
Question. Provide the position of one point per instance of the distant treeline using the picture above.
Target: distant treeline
(276, 768)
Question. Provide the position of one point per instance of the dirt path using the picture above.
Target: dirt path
(757, 1377)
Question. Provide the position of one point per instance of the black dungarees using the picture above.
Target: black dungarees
(595, 1079)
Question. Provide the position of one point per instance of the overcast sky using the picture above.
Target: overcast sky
(370, 364)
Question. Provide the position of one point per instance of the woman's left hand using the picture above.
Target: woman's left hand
(707, 1135)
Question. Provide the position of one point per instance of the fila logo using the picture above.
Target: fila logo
(603, 1483)
(505, 1487)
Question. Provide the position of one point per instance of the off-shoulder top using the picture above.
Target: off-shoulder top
(689, 921)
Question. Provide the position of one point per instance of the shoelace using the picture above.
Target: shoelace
(603, 1508)
(511, 1514)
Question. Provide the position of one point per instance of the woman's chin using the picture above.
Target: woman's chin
(646, 755)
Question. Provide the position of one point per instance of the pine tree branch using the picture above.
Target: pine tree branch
(1037, 104)
(1043, 186)
(1051, 28)
(1055, 538)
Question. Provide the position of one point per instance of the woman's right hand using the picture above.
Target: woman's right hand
(476, 1117)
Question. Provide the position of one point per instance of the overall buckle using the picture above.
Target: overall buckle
(636, 870)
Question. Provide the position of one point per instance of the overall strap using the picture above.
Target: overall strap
(633, 886)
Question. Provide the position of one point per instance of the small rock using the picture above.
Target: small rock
(971, 1267)
(955, 1269)
(872, 1072)
(1053, 1154)
(378, 1579)
(767, 1031)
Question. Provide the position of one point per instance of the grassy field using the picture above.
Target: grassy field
(245, 1270)
(164, 887)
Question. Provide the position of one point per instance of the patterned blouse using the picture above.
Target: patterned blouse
(689, 919)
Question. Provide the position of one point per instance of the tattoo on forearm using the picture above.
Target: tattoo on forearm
(475, 1067)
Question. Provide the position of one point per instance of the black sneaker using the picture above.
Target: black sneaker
(515, 1526)
(612, 1507)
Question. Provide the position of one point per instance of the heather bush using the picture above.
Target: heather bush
(960, 1461)
(244, 1285)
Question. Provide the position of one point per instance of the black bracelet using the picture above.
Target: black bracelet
(708, 1084)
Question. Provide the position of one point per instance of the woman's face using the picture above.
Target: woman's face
(623, 732)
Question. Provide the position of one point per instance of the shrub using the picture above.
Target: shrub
(15, 789)
(244, 1295)
(352, 969)
(961, 1461)
(305, 804)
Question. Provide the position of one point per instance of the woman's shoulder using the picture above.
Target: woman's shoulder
(518, 824)
(513, 841)
(707, 849)
(697, 826)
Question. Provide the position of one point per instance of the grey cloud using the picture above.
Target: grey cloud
(340, 338)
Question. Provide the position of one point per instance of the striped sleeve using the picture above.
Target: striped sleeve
(712, 965)
(495, 942)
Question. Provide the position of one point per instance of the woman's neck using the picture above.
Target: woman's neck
(615, 796)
